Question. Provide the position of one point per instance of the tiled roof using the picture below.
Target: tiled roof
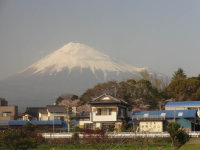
(33, 111)
(43, 111)
(183, 104)
(56, 109)
(104, 99)
(191, 113)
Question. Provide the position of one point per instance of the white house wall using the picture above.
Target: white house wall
(102, 118)
(176, 108)
(43, 116)
(84, 122)
(151, 126)
(51, 116)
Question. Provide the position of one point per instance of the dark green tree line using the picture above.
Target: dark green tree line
(184, 89)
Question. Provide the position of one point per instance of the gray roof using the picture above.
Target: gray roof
(33, 111)
(56, 109)
(43, 111)
(107, 99)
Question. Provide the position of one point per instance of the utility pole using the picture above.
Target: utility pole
(53, 127)
(115, 90)
(174, 115)
(68, 110)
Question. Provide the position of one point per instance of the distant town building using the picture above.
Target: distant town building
(8, 112)
(53, 112)
(157, 121)
(3, 102)
(185, 105)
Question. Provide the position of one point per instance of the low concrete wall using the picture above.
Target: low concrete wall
(118, 135)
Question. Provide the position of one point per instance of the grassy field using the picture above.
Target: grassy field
(193, 144)
(132, 146)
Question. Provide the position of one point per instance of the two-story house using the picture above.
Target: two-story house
(106, 111)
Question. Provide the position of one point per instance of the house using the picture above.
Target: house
(156, 121)
(31, 113)
(53, 112)
(7, 112)
(185, 105)
(105, 111)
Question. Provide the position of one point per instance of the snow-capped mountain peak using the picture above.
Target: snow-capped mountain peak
(76, 55)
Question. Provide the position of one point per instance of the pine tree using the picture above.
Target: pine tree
(179, 74)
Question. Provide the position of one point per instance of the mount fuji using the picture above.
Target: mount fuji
(73, 69)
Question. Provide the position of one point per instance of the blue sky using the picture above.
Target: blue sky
(161, 35)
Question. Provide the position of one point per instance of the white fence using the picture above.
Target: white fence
(119, 135)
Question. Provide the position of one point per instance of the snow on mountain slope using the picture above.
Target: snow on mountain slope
(76, 55)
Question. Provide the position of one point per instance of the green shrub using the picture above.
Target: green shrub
(111, 128)
(178, 136)
(21, 139)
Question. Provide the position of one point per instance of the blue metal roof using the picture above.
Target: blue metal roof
(65, 124)
(49, 122)
(17, 122)
(183, 104)
(191, 113)
(35, 122)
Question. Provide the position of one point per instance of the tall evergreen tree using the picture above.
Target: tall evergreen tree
(179, 74)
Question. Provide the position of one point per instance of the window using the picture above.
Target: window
(88, 126)
(6, 114)
(122, 112)
(180, 114)
(59, 118)
(99, 111)
(104, 111)
(163, 114)
(110, 111)
(106, 126)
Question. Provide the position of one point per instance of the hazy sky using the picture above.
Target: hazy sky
(161, 35)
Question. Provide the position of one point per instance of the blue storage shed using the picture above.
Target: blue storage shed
(165, 114)
(186, 118)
